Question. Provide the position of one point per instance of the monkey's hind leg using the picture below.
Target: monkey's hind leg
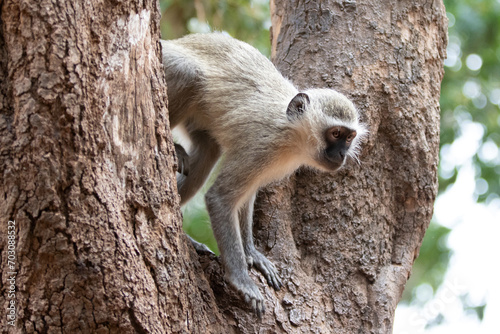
(221, 200)
(203, 156)
(253, 256)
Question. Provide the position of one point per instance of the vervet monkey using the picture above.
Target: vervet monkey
(231, 100)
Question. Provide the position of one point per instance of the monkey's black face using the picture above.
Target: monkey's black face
(338, 140)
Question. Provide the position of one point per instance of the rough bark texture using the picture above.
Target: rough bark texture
(87, 174)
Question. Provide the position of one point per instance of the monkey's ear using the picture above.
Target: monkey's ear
(297, 106)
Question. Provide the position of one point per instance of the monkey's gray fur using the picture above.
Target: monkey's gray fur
(231, 100)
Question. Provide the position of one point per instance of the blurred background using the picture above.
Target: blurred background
(454, 286)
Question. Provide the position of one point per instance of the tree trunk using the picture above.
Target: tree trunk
(88, 175)
(88, 181)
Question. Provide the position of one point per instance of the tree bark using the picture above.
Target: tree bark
(88, 174)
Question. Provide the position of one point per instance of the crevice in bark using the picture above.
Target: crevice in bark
(136, 323)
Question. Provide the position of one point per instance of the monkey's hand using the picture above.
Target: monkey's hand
(182, 159)
(250, 292)
(267, 269)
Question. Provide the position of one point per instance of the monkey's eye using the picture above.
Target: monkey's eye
(351, 136)
(333, 134)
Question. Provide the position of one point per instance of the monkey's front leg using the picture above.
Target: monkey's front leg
(253, 256)
(224, 218)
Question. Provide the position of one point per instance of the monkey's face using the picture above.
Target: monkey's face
(338, 140)
(329, 124)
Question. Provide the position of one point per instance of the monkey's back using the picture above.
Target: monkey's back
(227, 83)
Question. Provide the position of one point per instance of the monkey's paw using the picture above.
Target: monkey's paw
(267, 269)
(250, 292)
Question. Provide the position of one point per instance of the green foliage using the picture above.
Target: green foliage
(246, 20)
(197, 222)
(431, 265)
(471, 91)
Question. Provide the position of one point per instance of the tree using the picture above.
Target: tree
(88, 173)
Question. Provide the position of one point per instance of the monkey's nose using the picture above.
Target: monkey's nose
(336, 158)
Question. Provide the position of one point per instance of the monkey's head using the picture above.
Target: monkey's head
(328, 124)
